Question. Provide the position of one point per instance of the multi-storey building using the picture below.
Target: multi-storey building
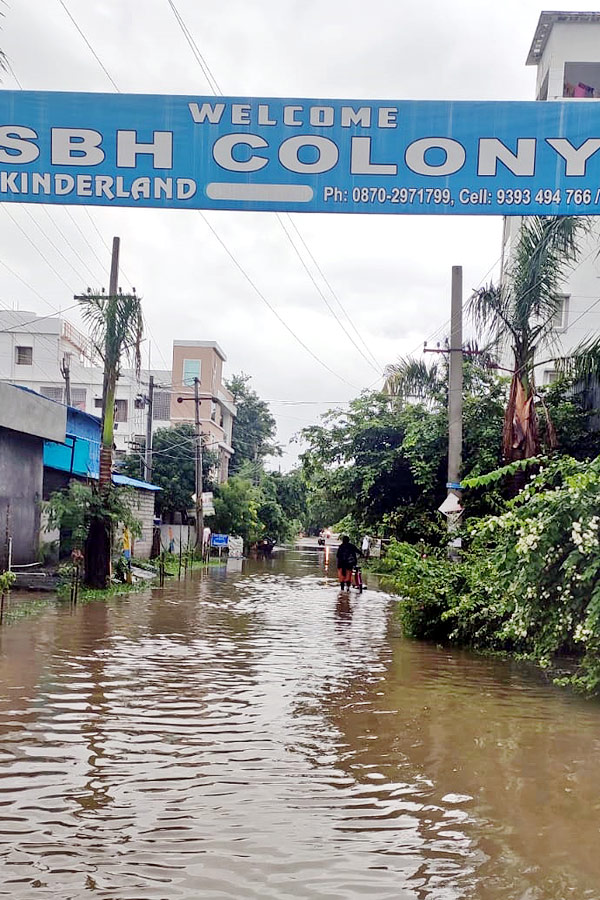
(204, 360)
(36, 350)
(566, 51)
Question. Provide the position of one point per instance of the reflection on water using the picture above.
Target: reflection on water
(253, 734)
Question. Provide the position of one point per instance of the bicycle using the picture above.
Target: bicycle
(357, 581)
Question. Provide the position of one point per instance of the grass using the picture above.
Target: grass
(17, 607)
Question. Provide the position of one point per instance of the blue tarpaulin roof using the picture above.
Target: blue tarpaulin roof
(125, 481)
(80, 454)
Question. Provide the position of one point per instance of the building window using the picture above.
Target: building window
(582, 80)
(78, 398)
(191, 370)
(24, 356)
(52, 393)
(98, 403)
(161, 409)
(120, 410)
(550, 376)
(560, 319)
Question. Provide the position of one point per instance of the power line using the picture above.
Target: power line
(32, 321)
(214, 86)
(212, 81)
(339, 302)
(91, 49)
(324, 298)
(12, 72)
(52, 244)
(26, 283)
(82, 233)
(271, 307)
(37, 249)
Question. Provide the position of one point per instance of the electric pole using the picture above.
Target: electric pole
(65, 371)
(148, 451)
(455, 401)
(198, 467)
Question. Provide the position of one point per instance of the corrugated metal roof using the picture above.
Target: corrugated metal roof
(133, 482)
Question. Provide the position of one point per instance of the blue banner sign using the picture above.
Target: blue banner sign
(343, 156)
(219, 540)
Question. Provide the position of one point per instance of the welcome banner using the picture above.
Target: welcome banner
(338, 156)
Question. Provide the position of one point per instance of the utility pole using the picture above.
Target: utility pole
(455, 402)
(198, 467)
(106, 452)
(65, 371)
(148, 452)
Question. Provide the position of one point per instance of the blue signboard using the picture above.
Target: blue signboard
(344, 156)
(219, 540)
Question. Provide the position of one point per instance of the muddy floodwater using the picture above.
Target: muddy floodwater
(247, 734)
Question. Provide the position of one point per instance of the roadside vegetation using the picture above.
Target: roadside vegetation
(528, 582)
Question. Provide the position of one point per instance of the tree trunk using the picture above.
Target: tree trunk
(521, 433)
(97, 553)
(108, 432)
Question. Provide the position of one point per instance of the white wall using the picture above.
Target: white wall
(575, 42)
(567, 42)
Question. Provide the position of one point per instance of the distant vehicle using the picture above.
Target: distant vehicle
(265, 548)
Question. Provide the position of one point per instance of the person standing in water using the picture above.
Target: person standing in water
(347, 558)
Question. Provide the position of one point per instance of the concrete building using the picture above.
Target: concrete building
(204, 360)
(566, 51)
(27, 420)
(34, 348)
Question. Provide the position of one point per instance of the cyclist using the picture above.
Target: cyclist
(347, 558)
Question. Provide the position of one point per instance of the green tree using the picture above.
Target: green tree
(521, 312)
(173, 468)
(292, 493)
(384, 460)
(355, 461)
(283, 507)
(254, 427)
(116, 328)
(236, 509)
(79, 506)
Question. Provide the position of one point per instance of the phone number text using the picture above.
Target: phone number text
(509, 197)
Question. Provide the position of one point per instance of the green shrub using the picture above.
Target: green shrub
(529, 583)
(425, 582)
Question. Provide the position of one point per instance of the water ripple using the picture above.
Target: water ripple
(255, 736)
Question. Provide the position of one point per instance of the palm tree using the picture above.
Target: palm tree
(521, 311)
(411, 378)
(116, 328)
(414, 379)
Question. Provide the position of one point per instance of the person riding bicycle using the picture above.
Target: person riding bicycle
(347, 559)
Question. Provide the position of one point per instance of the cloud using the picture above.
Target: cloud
(391, 273)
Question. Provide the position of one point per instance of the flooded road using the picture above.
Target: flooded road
(247, 734)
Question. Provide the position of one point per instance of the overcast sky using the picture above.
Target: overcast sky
(390, 273)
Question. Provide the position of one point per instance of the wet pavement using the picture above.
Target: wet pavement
(250, 734)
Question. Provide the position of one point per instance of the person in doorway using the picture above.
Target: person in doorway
(366, 543)
(347, 558)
